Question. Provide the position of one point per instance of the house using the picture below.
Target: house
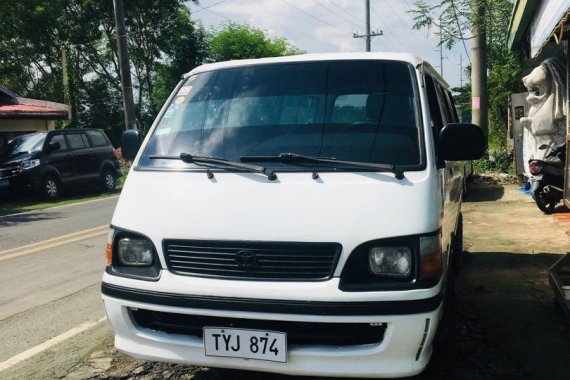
(23, 115)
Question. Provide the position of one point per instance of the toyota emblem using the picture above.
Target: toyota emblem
(245, 259)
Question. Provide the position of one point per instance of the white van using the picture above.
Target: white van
(296, 215)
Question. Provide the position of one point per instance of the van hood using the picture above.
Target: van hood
(349, 208)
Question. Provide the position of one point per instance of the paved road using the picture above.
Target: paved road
(32, 227)
(51, 264)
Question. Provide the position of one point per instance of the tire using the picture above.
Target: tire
(108, 180)
(51, 188)
(542, 202)
(458, 258)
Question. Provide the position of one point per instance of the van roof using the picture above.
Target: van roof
(403, 57)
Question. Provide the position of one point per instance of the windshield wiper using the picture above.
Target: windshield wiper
(294, 157)
(206, 161)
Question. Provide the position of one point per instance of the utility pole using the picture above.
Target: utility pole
(124, 64)
(368, 34)
(441, 57)
(479, 95)
(461, 70)
(65, 75)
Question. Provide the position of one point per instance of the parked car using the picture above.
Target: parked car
(297, 215)
(48, 162)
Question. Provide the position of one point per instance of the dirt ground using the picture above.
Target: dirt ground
(508, 325)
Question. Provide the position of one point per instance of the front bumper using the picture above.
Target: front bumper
(23, 181)
(404, 350)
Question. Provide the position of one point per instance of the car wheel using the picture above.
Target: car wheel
(109, 181)
(51, 187)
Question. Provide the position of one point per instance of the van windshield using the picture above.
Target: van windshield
(364, 111)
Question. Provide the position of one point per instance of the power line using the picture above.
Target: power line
(211, 11)
(314, 17)
(345, 11)
(208, 7)
(337, 14)
(402, 45)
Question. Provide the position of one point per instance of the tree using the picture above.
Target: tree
(503, 67)
(236, 41)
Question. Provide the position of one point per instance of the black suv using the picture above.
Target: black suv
(48, 162)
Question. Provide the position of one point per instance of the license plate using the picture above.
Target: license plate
(246, 344)
(4, 183)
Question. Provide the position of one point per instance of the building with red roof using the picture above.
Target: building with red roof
(23, 115)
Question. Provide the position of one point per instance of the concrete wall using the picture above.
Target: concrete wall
(23, 125)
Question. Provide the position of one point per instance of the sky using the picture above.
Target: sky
(318, 26)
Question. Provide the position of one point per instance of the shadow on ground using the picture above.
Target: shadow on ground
(478, 193)
(26, 218)
(18, 203)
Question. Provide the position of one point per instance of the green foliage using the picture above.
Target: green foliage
(237, 41)
(163, 44)
(501, 162)
(505, 69)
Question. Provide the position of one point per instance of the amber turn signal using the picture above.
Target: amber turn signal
(431, 264)
(109, 254)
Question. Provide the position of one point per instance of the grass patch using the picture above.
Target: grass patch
(13, 204)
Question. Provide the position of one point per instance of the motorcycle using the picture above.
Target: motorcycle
(547, 180)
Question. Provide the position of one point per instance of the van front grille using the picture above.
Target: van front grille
(271, 261)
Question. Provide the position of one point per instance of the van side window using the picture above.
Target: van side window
(451, 101)
(75, 141)
(59, 139)
(444, 105)
(434, 109)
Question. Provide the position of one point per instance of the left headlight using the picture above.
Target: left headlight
(29, 164)
(390, 261)
(131, 254)
(135, 251)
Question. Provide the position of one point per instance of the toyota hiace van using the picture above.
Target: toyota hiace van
(298, 215)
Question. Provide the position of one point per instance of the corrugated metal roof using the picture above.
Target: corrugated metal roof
(26, 111)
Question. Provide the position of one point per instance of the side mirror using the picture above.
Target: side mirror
(461, 142)
(52, 146)
(131, 141)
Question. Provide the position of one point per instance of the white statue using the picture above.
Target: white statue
(546, 122)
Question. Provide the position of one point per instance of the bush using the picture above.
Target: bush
(498, 162)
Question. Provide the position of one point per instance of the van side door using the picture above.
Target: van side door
(440, 116)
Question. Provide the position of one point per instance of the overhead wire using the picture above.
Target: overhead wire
(398, 41)
(208, 7)
(359, 25)
(315, 17)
